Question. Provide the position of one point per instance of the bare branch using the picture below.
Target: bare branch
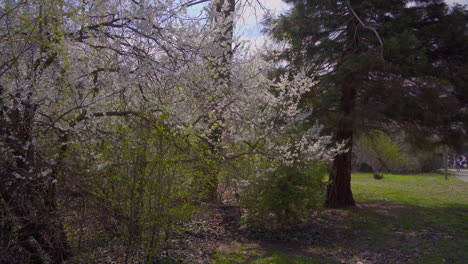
(195, 2)
(367, 27)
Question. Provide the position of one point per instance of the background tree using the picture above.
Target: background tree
(219, 61)
(383, 65)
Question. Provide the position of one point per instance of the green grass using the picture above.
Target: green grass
(259, 256)
(430, 190)
(275, 258)
(426, 199)
(415, 203)
(421, 213)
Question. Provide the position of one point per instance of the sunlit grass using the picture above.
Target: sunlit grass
(431, 190)
(264, 257)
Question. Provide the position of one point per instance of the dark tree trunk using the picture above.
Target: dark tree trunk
(339, 192)
(29, 200)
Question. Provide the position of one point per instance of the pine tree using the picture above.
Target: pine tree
(381, 65)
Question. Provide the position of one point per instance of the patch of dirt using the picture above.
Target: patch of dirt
(214, 229)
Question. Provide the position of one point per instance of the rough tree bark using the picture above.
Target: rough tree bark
(339, 192)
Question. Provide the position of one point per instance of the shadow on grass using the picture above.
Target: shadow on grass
(373, 232)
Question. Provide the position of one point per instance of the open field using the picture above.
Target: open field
(399, 219)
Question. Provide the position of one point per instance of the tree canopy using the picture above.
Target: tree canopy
(380, 65)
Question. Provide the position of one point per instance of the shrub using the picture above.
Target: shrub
(138, 187)
(387, 153)
(283, 197)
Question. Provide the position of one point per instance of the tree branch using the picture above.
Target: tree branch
(366, 27)
(194, 2)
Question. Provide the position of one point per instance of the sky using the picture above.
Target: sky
(252, 12)
(249, 27)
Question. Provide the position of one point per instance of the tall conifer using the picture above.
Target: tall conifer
(379, 64)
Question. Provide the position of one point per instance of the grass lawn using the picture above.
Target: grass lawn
(424, 204)
(399, 219)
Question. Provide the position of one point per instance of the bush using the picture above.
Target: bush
(386, 153)
(138, 188)
(284, 196)
(395, 154)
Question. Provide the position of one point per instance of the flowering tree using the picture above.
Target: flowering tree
(99, 96)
